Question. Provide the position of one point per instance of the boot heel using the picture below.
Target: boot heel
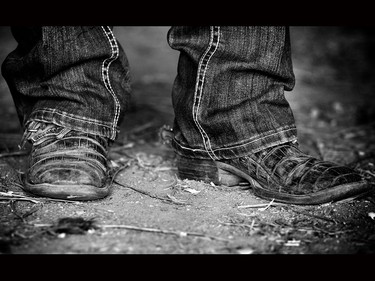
(206, 171)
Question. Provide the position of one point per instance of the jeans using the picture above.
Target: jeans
(228, 95)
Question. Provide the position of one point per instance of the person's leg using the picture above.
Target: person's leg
(232, 120)
(70, 85)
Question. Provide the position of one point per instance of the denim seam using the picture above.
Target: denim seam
(105, 75)
(241, 145)
(198, 93)
(74, 117)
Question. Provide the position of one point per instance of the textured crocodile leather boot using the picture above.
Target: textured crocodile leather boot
(283, 173)
(66, 164)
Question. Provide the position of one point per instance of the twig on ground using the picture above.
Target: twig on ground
(16, 196)
(252, 225)
(262, 205)
(367, 172)
(167, 200)
(155, 230)
(332, 233)
(147, 229)
(62, 200)
(266, 207)
(116, 172)
(15, 153)
(20, 197)
(41, 224)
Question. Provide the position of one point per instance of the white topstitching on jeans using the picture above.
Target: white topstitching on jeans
(282, 130)
(105, 74)
(202, 69)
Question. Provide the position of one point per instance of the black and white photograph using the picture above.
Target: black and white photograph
(187, 140)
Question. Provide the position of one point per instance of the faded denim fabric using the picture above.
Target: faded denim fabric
(73, 76)
(228, 96)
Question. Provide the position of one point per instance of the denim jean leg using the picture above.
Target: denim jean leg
(228, 95)
(72, 76)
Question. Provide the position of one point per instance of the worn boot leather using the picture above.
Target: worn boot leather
(66, 164)
(282, 173)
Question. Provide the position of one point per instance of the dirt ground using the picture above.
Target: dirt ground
(151, 211)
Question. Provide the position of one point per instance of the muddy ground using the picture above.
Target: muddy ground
(152, 211)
